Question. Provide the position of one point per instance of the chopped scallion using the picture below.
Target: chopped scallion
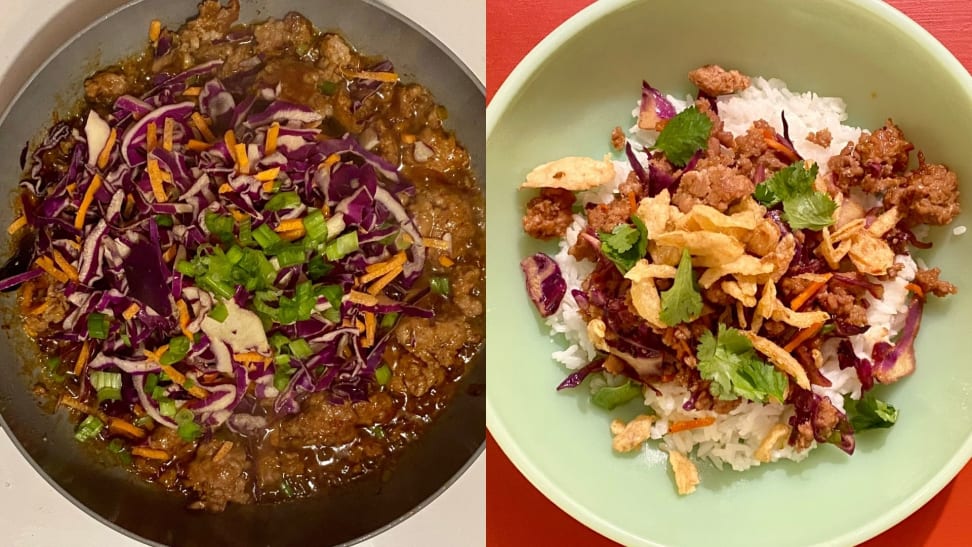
(219, 313)
(283, 200)
(178, 349)
(97, 325)
(383, 374)
(439, 285)
(342, 246)
(89, 428)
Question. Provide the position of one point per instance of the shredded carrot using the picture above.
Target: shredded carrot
(388, 77)
(82, 358)
(165, 175)
(808, 293)
(685, 425)
(151, 137)
(223, 451)
(242, 158)
(74, 404)
(180, 379)
(365, 299)
(780, 147)
(39, 309)
(170, 253)
(803, 336)
(155, 179)
(267, 176)
(192, 91)
(408, 138)
(249, 357)
(632, 203)
(105, 154)
(155, 30)
(183, 317)
(370, 325)
(379, 285)
(289, 225)
(71, 188)
(331, 160)
(168, 128)
(203, 126)
(269, 186)
(292, 235)
(230, 139)
(197, 145)
(155, 356)
(86, 201)
(47, 265)
(131, 311)
(151, 454)
(915, 289)
(129, 204)
(65, 266)
(439, 244)
(121, 427)
(238, 215)
(27, 294)
(446, 262)
(271, 143)
(16, 225)
(225, 188)
(381, 268)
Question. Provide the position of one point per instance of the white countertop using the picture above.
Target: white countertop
(32, 513)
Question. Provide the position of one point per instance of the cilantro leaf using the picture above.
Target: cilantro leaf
(684, 135)
(681, 303)
(611, 397)
(870, 412)
(803, 207)
(626, 244)
(814, 211)
(728, 360)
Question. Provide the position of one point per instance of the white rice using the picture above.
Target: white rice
(734, 437)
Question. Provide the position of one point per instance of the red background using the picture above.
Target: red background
(518, 514)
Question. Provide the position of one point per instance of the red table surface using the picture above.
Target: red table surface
(518, 514)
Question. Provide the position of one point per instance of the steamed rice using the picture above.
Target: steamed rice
(734, 437)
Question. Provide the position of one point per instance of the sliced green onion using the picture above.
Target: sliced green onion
(281, 376)
(333, 293)
(188, 429)
(164, 221)
(278, 341)
(167, 408)
(283, 200)
(220, 226)
(116, 446)
(383, 374)
(177, 351)
(828, 328)
(246, 232)
(439, 285)
(315, 226)
(265, 237)
(234, 254)
(107, 384)
(342, 246)
(282, 359)
(300, 348)
(333, 315)
(144, 421)
(53, 363)
(89, 428)
(126, 339)
(287, 312)
(388, 320)
(317, 268)
(219, 288)
(377, 431)
(97, 325)
(151, 382)
(327, 87)
(286, 488)
(291, 255)
(186, 268)
(219, 313)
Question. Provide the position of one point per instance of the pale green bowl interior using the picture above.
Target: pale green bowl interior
(564, 99)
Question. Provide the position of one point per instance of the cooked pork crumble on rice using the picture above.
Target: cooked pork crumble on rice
(821, 299)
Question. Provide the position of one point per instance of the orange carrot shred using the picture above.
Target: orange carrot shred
(65, 266)
(183, 318)
(86, 201)
(809, 292)
(155, 179)
(446, 262)
(82, 358)
(781, 148)
(203, 126)
(289, 225)
(131, 311)
(121, 427)
(223, 451)
(105, 154)
(16, 225)
(242, 158)
(152, 136)
(379, 285)
(803, 336)
(696, 423)
(47, 265)
(168, 129)
(151, 454)
(197, 145)
(271, 144)
(915, 289)
(249, 357)
(155, 30)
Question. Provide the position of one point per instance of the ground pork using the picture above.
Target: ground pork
(929, 195)
(717, 186)
(930, 283)
(549, 215)
(821, 138)
(713, 80)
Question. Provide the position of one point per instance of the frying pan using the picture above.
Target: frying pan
(341, 515)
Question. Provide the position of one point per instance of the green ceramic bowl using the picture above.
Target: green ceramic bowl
(563, 99)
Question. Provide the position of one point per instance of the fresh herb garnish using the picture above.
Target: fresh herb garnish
(626, 244)
(684, 135)
(610, 397)
(803, 207)
(870, 413)
(683, 302)
(729, 361)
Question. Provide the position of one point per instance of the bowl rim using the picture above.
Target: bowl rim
(504, 97)
(480, 450)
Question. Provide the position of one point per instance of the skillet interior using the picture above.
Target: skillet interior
(343, 514)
